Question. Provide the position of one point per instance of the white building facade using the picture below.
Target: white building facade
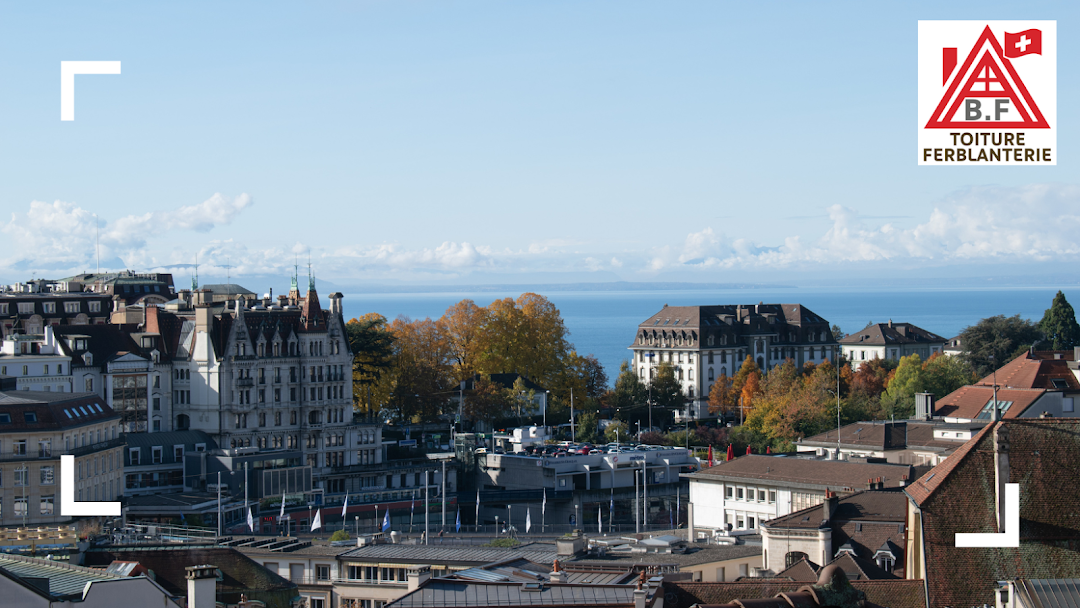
(703, 343)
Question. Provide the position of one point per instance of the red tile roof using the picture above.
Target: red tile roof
(1032, 371)
(968, 401)
(895, 593)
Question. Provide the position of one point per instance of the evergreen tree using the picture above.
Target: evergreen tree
(994, 341)
(1059, 324)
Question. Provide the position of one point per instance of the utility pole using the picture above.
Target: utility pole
(219, 503)
(637, 506)
(427, 511)
(645, 494)
(573, 435)
(246, 490)
(442, 493)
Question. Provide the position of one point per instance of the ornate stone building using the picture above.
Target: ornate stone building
(705, 342)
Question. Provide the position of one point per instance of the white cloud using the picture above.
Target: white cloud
(62, 235)
(1026, 224)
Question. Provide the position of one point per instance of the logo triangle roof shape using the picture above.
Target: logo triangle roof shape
(996, 66)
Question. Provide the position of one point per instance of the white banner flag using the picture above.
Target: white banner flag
(528, 520)
(315, 525)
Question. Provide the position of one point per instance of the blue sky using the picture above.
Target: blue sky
(510, 141)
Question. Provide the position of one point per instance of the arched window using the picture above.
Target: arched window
(711, 378)
(761, 362)
(182, 422)
(794, 557)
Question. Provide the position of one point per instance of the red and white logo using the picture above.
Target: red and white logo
(996, 106)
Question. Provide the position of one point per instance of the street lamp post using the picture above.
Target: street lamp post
(356, 518)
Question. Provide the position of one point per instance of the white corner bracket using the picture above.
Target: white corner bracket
(68, 70)
(1010, 537)
(68, 506)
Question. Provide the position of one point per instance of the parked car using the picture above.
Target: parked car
(595, 451)
(584, 449)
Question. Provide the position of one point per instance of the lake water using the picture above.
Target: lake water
(604, 323)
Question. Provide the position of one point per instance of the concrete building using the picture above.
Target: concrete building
(890, 341)
(575, 487)
(706, 342)
(739, 494)
(154, 462)
(36, 428)
(127, 286)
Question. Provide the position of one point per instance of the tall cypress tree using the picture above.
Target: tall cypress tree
(1059, 324)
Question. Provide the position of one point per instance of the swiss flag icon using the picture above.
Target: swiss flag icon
(986, 90)
(1028, 42)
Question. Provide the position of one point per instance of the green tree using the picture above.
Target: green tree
(339, 535)
(629, 390)
(616, 431)
(898, 400)
(837, 333)
(372, 345)
(942, 374)
(666, 389)
(1059, 325)
(993, 341)
(586, 427)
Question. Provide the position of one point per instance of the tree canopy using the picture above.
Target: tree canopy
(1059, 325)
(993, 341)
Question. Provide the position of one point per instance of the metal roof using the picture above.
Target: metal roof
(1048, 593)
(452, 554)
(64, 579)
(446, 592)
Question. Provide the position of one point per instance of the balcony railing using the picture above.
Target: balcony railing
(245, 382)
(310, 580)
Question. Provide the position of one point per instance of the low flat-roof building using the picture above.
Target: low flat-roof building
(27, 582)
(915, 442)
(739, 494)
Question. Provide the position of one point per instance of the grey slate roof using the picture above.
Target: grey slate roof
(64, 579)
(446, 592)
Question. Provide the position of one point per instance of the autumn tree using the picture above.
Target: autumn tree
(872, 376)
(421, 370)
(1059, 324)
(465, 330)
(486, 401)
(722, 396)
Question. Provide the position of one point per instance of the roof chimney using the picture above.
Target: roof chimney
(829, 505)
(201, 586)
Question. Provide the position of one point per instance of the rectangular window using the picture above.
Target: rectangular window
(322, 573)
(178, 453)
(47, 476)
(739, 493)
(750, 494)
(19, 447)
(133, 456)
(22, 475)
(20, 507)
(71, 307)
(46, 505)
(155, 454)
(26, 308)
(95, 306)
(772, 496)
(729, 491)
